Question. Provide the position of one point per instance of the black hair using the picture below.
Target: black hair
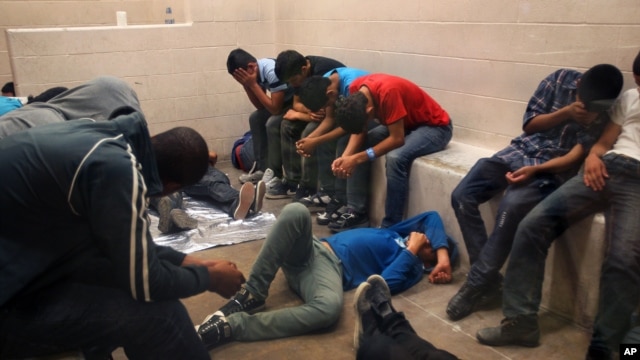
(313, 92)
(351, 112)
(8, 88)
(636, 65)
(120, 111)
(239, 58)
(181, 154)
(47, 95)
(289, 63)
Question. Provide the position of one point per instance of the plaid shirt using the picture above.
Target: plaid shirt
(554, 92)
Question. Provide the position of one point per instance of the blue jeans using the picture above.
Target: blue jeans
(620, 277)
(215, 187)
(418, 142)
(274, 156)
(96, 320)
(312, 271)
(298, 169)
(258, 125)
(486, 179)
(327, 152)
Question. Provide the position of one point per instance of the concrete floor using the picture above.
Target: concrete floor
(424, 306)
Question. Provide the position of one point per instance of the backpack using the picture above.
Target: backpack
(242, 152)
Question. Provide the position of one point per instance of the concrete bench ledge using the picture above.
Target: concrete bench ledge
(573, 266)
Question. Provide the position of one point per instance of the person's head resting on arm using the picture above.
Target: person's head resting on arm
(352, 112)
(292, 67)
(419, 245)
(240, 59)
(598, 89)
(182, 157)
(314, 93)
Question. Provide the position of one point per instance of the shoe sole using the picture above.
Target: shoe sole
(247, 193)
(360, 291)
(376, 280)
(276, 196)
(261, 190)
(182, 220)
(164, 214)
(530, 344)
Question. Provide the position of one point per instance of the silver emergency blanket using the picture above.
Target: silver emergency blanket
(215, 228)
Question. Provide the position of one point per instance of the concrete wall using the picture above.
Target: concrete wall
(480, 59)
(178, 71)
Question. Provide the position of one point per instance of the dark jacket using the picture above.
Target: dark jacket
(73, 207)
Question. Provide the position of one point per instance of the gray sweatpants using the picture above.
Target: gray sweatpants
(312, 271)
(96, 99)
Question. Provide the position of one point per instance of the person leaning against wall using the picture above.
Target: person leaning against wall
(80, 270)
(609, 182)
(564, 118)
(257, 77)
(412, 124)
(293, 67)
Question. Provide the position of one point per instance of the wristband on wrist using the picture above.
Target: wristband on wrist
(371, 154)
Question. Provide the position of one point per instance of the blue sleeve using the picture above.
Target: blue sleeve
(404, 272)
(428, 223)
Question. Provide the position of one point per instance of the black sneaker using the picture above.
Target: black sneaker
(332, 212)
(365, 318)
(317, 200)
(281, 190)
(302, 192)
(242, 301)
(379, 296)
(520, 330)
(349, 220)
(467, 300)
(215, 331)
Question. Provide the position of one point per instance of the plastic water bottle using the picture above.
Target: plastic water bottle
(168, 16)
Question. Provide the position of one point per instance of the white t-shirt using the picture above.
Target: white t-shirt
(626, 113)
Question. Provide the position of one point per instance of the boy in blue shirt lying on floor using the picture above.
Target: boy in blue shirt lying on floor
(320, 270)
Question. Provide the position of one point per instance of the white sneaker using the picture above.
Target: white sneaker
(268, 175)
(251, 177)
(275, 181)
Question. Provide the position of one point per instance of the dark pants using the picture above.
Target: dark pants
(620, 277)
(294, 172)
(96, 320)
(486, 179)
(215, 187)
(398, 340)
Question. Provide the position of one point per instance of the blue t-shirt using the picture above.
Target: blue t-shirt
(9, 103)
(369, 251)
(347, 75)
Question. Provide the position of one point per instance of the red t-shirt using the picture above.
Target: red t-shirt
(397, 98)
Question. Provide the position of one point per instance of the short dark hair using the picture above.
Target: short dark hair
(313, 92)
(351, 112)
(46, 95)
(181, 154)
(239, 58)
(8, 88)
(636, 65)
(289, 63)
(599, 87)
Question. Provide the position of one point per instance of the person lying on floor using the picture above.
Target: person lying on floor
(320, 270)
(215, 188)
